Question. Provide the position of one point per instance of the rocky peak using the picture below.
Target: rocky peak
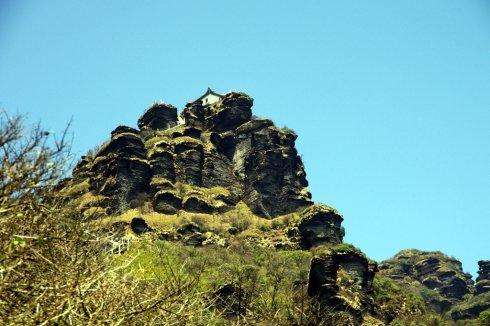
(217, 145)
(159, 116)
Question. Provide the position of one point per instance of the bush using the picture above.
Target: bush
(484, 317)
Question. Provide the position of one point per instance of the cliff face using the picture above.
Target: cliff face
(220, 146)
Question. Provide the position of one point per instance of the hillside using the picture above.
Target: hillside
(205, 217)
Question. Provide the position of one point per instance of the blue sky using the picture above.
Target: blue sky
(391, 99)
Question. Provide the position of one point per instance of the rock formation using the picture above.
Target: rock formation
(218, 159)
(480, 301)
(483, 280)
(341, 278)
(320, 224)
(218, 146)
(441, 275)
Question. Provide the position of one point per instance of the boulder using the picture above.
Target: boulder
(167, 202)
(320, 224)
(194, 239)
(188, 228)
(124, 130)
(230, 299)
(198, 205)
(232, 111)
(159, 116)
(194, 114)
(139, 226)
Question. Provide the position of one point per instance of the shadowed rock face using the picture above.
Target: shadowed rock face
(219, 145)
(159, 116)
(342, 280)
(483, 280)
(139, 226)
(474, 305)
(433, 270)
(119, 169)
(320, 224)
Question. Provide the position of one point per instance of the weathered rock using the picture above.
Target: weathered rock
(472, 307)
(119, 170)
(230, 299)
(189, 228)
(219, 145)
(439, 273)
(217, 171)
(194, 239)
(253, 125)
(341, 278)
(124, 144)
(483, 280)
(160, 183)
(193, 114)
(320, 224)
(159, 116)
(232, 111)
(190, 131)
(139, 226)
(188, 167)
(162, 164)
(224, 142)
(123, 130)
(197, 204)
(82, 169)
(272, 171)
(166, 201)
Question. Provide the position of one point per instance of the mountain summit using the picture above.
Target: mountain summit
(219, 149)
(220, 180)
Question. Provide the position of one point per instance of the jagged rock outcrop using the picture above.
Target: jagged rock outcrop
(475, 304)
(320, 224)
(216, 146)
(159, 116)
(118, 171)
(440, 278)
(483, 280)
(341, 278)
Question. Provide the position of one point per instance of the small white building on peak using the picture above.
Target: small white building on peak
(210, 97)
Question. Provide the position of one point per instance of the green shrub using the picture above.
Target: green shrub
(484, 318)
